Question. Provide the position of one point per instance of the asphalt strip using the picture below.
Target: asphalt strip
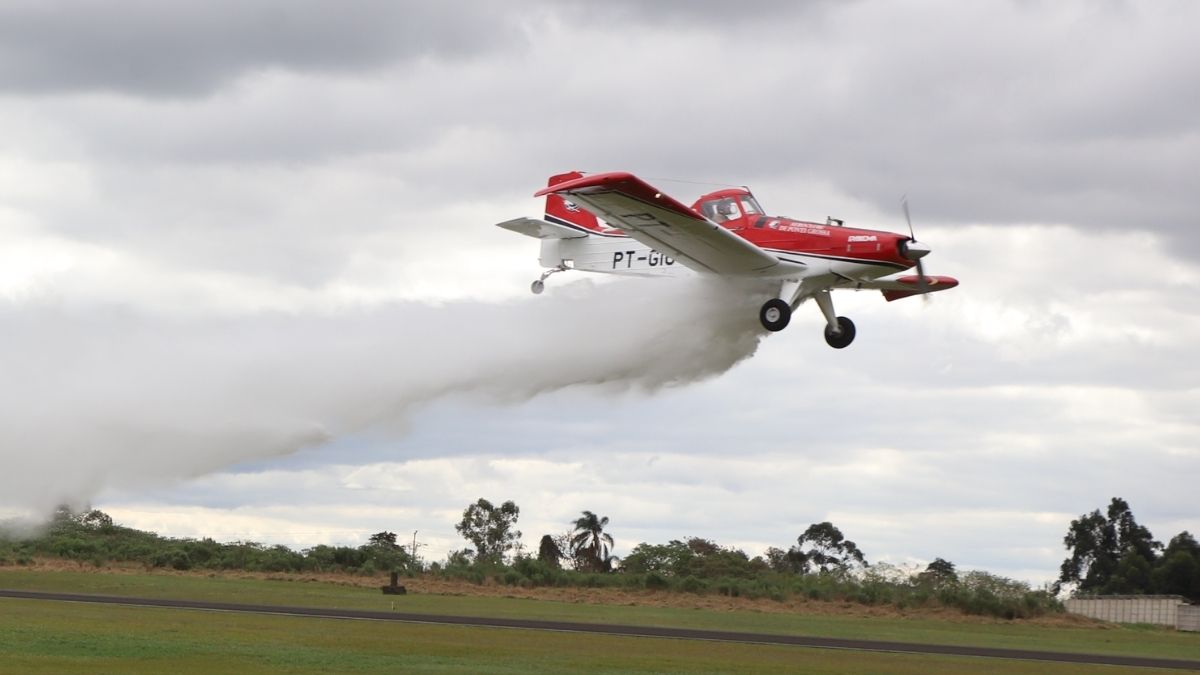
(627, 631)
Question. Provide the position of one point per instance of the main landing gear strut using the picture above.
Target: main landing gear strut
(777, 312)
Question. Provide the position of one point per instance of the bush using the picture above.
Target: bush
(656, 582)
(178, 559)
(729, 587)
(539, 572)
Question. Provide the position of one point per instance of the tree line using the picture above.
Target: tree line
(1110, 553)
(492, 532)
(822, 565)
(91, 538)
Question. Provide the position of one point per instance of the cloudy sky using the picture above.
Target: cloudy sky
(250, 286)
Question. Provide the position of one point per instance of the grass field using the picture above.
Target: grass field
(60, 637)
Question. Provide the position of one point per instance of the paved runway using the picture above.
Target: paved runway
(631, 631)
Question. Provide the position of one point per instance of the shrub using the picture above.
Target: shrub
(730, 587)
(178, 559)
(656, 581)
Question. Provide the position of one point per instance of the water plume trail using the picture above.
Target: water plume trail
(105, 398)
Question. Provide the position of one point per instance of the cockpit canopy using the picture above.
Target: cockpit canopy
(727, 205)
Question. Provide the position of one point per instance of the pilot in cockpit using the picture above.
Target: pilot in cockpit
(725, 210)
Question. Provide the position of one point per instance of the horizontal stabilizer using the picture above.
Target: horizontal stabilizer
(541, 229)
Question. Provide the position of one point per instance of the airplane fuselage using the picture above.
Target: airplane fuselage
(845, 252)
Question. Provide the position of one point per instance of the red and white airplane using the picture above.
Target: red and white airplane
(618, 224)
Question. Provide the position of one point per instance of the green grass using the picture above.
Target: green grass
(1139, 641)
(61, 637)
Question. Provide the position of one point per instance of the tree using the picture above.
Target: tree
(1178, 571)
(711, 561)
(1131, 576)
(383, 540)
(791, 561)
(703, 547)
(549, 552)
(1183, 542)
(97, 520)
(672, 558)
(384, 553)
(490, 529)
(590, 543)
(1092, 543)
(938, 572)
(1108, 552)
(828, 549)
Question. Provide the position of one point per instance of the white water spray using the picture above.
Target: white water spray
(98, 399)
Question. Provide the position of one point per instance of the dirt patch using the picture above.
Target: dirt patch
(586, 596)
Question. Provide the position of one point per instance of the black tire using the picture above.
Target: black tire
(537, 287)
(842, 338)
(775, 315)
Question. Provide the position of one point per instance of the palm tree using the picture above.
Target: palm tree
(590, 543)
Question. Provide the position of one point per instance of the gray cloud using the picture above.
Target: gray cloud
(169, 49)
(711, 15)
(1001, 113)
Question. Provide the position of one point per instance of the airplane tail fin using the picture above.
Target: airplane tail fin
(563, 220)
(563, 212)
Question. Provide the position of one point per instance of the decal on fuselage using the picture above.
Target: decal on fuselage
(798, 228)
(625, 259)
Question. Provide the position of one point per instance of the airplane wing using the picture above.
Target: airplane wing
(658, 221)
(895, 287)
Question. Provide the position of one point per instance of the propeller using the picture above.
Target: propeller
(914, 251)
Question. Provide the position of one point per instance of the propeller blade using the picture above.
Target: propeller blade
(915, 252)
(907, 217)
(922, 280)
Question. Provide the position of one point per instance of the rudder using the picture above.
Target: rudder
(563, 212)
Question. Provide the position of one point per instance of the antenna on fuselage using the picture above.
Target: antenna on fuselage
(695, 182)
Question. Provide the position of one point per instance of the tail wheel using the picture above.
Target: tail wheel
(537, 287)
(775, 315)
(843, 337)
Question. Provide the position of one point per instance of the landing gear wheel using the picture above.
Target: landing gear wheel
(539, 284)
(843, 337)
(775, 315)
